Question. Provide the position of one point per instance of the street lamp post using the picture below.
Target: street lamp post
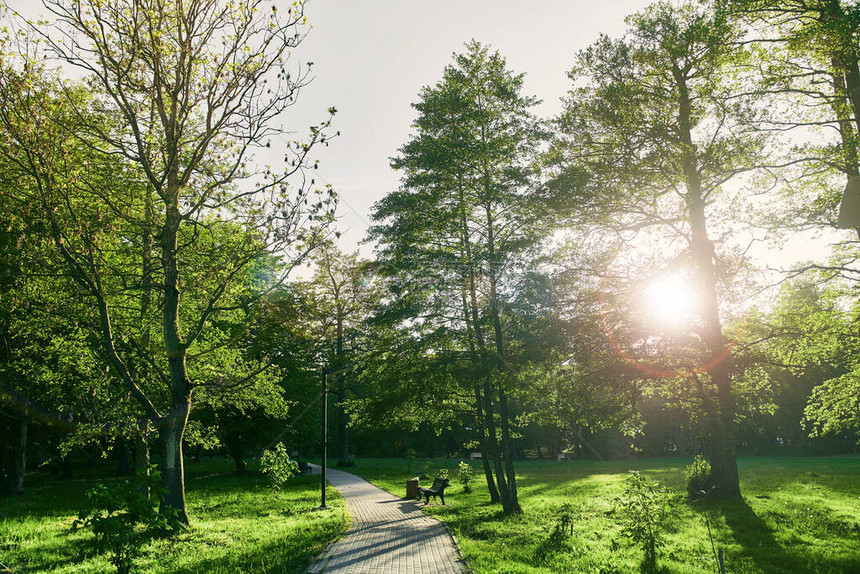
(325, 432)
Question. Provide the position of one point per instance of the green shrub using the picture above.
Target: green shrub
(410, 459)
(442, 473)
(562, 519)
(565, 515)
(121, 516)
(465, 474)
(277, 466)
(426, 469)
(643, 507)
(698, 477)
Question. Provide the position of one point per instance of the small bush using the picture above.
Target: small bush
(698, 477)
(277, 466)
(122, 515)
(410, 459)
(442, 473)
(643, 506)
(465, 474)
(562, 519)
(426, 469)
(565, 515)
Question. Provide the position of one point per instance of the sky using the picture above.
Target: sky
(372, 57)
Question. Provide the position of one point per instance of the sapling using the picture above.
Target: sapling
(277, 466)
(643, 507)
(465, 474)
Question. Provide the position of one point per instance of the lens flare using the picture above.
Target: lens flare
(670, 301)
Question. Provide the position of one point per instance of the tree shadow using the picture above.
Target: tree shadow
(753, 534)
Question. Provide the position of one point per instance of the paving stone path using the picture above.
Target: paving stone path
(389, 535)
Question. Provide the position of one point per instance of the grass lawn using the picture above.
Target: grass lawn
(238, 525)
(800, 515)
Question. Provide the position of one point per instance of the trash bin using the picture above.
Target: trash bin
(412, 488)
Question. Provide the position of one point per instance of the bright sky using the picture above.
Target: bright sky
(372, 57)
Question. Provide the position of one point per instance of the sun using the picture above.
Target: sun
(670, 301)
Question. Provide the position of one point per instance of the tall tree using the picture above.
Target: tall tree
(184, 95)
(812, 80)
(339, 297)
(649, 138)
(465, 220)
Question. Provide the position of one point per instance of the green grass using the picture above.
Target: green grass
(237, 525)
(799, 515)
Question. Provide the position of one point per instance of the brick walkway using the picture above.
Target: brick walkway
(389, 535)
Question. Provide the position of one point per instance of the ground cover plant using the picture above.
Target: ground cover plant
(240, 525)
(798, 515)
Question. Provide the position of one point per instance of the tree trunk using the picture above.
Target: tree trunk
(342, 431)
(19, 453)
(724, 464)
(172, 426)
(513, 503)
(171, 429)
(479, 409)
(142, 454)
(122, 456)
(236, 451)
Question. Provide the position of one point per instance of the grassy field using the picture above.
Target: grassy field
(799, 515)
(238, 525)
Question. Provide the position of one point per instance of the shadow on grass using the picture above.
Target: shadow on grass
(754, 535)
(290, 555)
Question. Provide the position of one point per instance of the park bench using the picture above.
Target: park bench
(438, 489)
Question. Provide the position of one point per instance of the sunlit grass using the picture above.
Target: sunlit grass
(238, 525)
(799, 515)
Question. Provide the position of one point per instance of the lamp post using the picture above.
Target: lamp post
(325, 432)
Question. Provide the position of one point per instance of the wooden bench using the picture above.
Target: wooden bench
(438, 489)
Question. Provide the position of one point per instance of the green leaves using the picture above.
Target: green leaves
(122, 515)
(643, 507)
(277, 466)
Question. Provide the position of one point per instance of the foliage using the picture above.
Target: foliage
(167, 226)
(410, 459)
(122, 515)
(643, 507)
(697, 476)
(834, 407)
(646, 144)
(564, 517)
(459, 234)
(277, 466)
(465, 475)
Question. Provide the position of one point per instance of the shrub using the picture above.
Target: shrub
(277, 466)
(465, 474)
(410, 459)
(698, 477)
(562, 519)
(122, 515)
(643, 507)
(564, 516)
(426, 469)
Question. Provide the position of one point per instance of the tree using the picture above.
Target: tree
(167, 213)
(465, 221)
(813, 73)
(339, 298)
(649, 137)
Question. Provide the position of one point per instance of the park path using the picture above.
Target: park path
(389, 535)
